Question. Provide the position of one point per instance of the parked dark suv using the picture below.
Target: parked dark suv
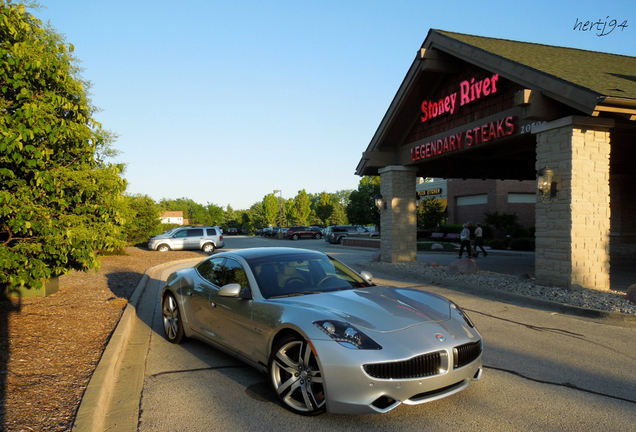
(296, 232)
(336, 233)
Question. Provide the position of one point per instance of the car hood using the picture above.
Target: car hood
(377, 308)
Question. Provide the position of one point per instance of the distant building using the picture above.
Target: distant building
(469, 200)
(172, 217)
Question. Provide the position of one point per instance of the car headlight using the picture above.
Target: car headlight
(463, 314)
(346, 335)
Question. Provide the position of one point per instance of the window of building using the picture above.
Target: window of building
(472, 199)
(522, 198)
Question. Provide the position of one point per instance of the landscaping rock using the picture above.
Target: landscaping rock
(463, 266)
(437, 246)
(631, 294)
(376, 257)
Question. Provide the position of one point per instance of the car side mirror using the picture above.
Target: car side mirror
(230, 290)
(234, 290)
(367, 276)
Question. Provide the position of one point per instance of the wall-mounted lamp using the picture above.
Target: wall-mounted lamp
(379, 202)
(545, 184)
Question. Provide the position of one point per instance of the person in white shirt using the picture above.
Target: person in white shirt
(465, 241)
(479, 238)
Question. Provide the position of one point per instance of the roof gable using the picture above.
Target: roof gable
(603, 73)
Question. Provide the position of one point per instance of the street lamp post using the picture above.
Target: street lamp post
(280, 207)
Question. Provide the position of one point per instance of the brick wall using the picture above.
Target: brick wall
(497, 191)
(572, 244)
(398, 222)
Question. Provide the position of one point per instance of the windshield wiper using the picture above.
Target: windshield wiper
(297, 294)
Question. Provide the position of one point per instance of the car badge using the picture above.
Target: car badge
(440, 337)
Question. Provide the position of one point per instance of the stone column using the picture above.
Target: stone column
(398, 222)
(572, 229)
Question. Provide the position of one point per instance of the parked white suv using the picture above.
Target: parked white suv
(206, 239)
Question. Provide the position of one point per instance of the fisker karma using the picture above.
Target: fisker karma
(327, 337)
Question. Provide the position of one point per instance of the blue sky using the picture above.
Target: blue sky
(226, 101)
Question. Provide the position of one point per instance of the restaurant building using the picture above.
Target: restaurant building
(559, 121)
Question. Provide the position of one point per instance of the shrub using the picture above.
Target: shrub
(522, 244)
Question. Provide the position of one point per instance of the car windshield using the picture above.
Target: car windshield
(301, 274)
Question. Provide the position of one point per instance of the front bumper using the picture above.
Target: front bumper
(351, 390)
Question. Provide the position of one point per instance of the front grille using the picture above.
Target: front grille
(466, 353)
(416, 367)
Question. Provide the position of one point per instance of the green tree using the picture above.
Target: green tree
(143, 222)
(290, 212)
(270, 209)
(505, 223)
(60, 202)
(303, 207)
(230, 217)
(214, 214)
(324, 207)
(256, 215)
(361, 209)
(431, 213)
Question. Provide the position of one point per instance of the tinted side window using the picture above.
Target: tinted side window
(234, 273)
(211, 232)
(211, 270)
(195, 232)
(181, 233)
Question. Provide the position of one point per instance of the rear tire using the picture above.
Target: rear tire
(341, 240)
(295, 237)
(318, 236)
(208, 248)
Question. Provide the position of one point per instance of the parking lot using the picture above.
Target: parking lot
(539, 373)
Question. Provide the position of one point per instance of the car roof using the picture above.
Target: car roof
(253, 253)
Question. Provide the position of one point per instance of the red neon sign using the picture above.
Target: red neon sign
(468, 138)
(469, 91)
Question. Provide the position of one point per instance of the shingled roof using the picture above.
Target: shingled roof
(606, 74)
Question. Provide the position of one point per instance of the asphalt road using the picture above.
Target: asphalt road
(542, 371)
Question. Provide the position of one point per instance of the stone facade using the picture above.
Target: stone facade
(572, 229)
(398, 221)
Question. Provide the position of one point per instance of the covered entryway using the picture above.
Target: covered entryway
(480, 108)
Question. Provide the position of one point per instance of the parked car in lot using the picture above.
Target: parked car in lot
(296, 232)
(232, 231)
(206, 239)
(336, 233)
(270, 232)
(327, 337)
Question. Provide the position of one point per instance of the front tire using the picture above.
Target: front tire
(172, 325)
(295, 237)
(317, 236)
(163, 248)
(295, 376)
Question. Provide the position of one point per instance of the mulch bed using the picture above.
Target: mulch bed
(49, 347)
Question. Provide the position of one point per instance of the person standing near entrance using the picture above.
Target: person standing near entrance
(465, 241)
(479, 238)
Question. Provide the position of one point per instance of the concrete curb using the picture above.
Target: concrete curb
(93, 410)
(611, 318)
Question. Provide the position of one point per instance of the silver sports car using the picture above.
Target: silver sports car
(327, 337)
